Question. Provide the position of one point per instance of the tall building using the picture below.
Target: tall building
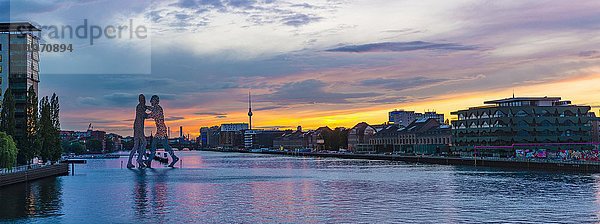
(432, 114)
(404, 118)
(19, 65)
(232, 135)
(234, 127)
(595, 127)
(535, 126)
(209, 136)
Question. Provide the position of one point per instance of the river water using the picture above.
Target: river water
(212, 187)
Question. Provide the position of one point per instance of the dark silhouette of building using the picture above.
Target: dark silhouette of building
(534, 123)
(359, 136)
(19, 66)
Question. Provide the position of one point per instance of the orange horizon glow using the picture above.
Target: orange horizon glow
(581, 91)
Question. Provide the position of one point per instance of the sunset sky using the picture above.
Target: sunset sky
(313, 63)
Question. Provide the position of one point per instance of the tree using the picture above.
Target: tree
(74, 147)
(49, 129)
(55, 111)
(55, 118)
(46, 130)
(7, 116)
(93, 145)
(8, 151)
(29, 141)
(110, 145)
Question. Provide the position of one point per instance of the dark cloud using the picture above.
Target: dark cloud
(270, 108)
(304, 5)
(118, 99)
(241, 3)
(174, 118)
(402, 83)
(299, 19)
(589, 54)
(256, 12)
(211, 113)
(402, 46)
(389, 100)
(309, 91)
(221, 116)
(193, 4)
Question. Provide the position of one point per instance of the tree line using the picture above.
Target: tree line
(40, 134)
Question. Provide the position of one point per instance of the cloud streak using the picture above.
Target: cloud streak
(311, 91)
(401, 47)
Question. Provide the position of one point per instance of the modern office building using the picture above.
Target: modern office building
(595, 127)
(19, 65)
(234, 127)
(432, 114)
(511, 127)
(209, 136)
(404, 118)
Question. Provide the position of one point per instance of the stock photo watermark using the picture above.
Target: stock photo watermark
(91, 33)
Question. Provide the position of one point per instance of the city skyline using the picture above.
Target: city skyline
(353, 68)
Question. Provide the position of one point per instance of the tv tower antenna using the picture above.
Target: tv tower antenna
(250, 110)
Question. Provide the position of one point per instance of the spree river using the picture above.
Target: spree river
(212, 187)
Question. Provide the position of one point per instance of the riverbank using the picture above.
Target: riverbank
(534, 164)
(33, 173)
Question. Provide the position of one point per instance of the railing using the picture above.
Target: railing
(18, 169)
(539, 160)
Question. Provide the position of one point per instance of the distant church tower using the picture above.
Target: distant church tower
(250, 111)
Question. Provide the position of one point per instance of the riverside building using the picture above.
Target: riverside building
(19, 66)
(543, 127)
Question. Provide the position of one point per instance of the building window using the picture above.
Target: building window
(0, 58)
(0, 68)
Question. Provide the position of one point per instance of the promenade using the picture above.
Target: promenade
(533, 164)
(31, 172)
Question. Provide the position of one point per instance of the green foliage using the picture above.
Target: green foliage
(110, 145)
(46, 130)
(29, 142)
(55, 118)
(7, 116)
(93, 145)
(8, 151)
(73, 147)
(49, 129)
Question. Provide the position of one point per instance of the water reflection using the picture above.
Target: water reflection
(246, 188)
(150, 194)
(40, 198)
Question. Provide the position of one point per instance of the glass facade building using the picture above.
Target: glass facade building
(19, 61)
(525, 125)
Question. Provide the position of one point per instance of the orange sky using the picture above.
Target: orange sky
(583, 90)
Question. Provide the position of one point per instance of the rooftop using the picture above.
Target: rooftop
(18, 27)
(519, 99)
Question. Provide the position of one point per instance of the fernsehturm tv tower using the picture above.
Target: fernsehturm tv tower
(250, 110)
